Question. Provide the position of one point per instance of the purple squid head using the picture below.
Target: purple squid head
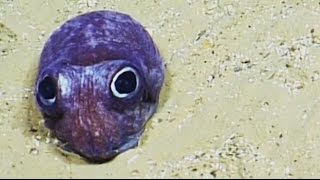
(97, 111)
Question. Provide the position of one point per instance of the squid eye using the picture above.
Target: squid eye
(47, 91)
(125, 82)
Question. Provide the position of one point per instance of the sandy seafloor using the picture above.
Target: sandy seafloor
(241, 96)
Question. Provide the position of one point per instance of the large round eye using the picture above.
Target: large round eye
(47, 91)
(125, 82)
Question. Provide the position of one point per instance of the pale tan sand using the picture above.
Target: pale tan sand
(241, 97)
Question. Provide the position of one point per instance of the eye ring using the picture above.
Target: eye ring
(47, 91)
(126, 73)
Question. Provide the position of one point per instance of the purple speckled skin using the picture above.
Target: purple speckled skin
(82, 57)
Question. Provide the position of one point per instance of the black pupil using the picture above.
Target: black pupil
(47, 88)
(126, 82)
